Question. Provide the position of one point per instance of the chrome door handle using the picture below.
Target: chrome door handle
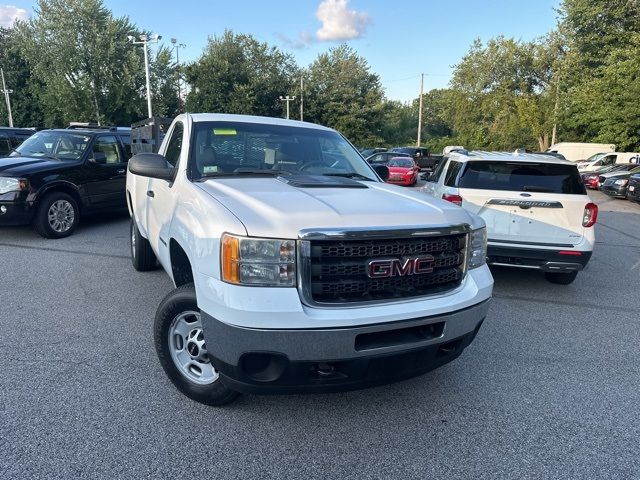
(121, 171)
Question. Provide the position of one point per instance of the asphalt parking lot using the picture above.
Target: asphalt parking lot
(549, 389)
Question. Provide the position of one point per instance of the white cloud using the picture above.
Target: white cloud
(11, 13)
(340, 23)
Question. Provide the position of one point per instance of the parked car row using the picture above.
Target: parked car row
(613, 180)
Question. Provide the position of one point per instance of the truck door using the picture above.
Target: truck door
(161, 200)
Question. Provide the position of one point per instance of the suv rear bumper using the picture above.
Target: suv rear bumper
(538, 259)
(335, 359)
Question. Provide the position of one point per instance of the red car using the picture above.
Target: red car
(402, 171)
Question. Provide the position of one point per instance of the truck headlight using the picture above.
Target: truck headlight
(621, 182)
(477, 248)
(10, 184)
(258, 261)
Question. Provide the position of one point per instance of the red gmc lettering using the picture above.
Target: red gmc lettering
(396, 267)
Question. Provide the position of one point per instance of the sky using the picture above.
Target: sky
(399, 38)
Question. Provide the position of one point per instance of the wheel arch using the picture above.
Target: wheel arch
(64, 187)
(181, 267)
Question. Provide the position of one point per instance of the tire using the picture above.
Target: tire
(178, 336)
(561, 278)
(142, 257)
(57, 215)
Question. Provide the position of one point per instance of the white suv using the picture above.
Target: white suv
(536, 208)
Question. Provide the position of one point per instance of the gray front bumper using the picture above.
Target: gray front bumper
(232, 342)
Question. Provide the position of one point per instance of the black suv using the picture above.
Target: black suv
(11, 137)
(55, 176)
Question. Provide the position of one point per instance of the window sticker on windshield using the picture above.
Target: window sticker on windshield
(269, 156)
(224, 131)
(210, 169)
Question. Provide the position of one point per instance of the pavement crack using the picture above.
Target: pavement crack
(61, 250)
(546, 301)
(621, 232)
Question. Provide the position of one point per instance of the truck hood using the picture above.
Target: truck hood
(269, 207)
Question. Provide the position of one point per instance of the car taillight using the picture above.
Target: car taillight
(457, 199)
(590, 215)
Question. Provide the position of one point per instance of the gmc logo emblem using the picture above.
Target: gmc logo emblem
(396, 267)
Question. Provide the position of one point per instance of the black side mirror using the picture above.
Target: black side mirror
(382, 171)
(98, 158)
(151, 165)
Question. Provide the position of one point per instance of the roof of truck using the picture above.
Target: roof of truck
(227, 117)
(508, 157)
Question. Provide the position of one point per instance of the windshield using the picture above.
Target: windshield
(401, 162)
(594, 157)
(224, 148)
(522, 177)
(58, 145)
(407, 150)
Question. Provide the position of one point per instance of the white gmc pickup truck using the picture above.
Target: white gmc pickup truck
(296, 268)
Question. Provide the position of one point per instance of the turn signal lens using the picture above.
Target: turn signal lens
(590, 215)
(230, 259)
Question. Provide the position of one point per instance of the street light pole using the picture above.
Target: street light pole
(287, 99)
(144, 40)
(420, 110)
(6, 97)
(178, 46)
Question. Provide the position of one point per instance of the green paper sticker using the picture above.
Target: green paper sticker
(211, 169)
(224, 131)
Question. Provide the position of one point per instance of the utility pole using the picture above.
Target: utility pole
(144, 39)
(6, 98)
(555, 112)
(178, 46)
(301, 98)
(420, 110)
(287, 99)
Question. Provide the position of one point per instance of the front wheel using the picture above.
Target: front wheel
(182, 351)
(57, 215)
(558, 278)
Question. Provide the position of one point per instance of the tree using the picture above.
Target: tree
(24, 100)
(87, 67)
(599, 100)
(342, 93)
(503, 95)
(238, 74)
(164, 84)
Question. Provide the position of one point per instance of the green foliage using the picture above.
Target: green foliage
(238, 74)
(342, 93)
(26, 89)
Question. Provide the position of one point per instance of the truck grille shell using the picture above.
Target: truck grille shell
(334, 270)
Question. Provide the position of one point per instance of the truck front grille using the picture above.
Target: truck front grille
(340, 270)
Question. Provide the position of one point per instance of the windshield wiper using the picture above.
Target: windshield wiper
(535, 188)
(246, 171)
(349, 175)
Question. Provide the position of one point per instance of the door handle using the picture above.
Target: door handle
(150, 193)
(121, 171)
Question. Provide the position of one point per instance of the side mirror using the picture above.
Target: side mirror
(382, 171)
(151, 165)
(98, 158)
